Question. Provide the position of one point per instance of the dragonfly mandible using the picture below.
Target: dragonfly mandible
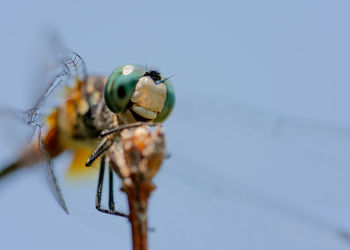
(93, 112)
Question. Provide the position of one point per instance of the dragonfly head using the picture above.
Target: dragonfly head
(148, 95)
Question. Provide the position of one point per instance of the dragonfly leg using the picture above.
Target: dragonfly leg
(104, 145)
(100, 184)
(111, 193)
(99, 192)
(126, 126)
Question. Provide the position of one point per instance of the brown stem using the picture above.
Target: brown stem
(138, 194)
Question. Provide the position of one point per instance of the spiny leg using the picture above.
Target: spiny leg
(101, 148)
(99, 192)
(126, 126)
(111, 193)
(100, 184)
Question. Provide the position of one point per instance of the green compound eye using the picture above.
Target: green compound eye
(168, 104)
(121, 86)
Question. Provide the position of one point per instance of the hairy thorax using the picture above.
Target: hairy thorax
(84, 114)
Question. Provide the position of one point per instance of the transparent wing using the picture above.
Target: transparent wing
(15, 134)
(61, 68)
(50, 171)
(69, 66)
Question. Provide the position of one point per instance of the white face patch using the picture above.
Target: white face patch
(148, 95)
(148, 98)
(127, 69)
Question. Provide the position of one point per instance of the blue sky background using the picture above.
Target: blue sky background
(259, 138)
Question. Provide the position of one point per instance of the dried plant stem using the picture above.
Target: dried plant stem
(136, 162)
(138, 202)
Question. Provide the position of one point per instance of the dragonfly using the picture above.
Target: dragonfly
(93, 110)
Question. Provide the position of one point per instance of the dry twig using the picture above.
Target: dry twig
(136, 163)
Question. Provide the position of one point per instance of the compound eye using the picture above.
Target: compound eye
(168, 104)
(120, 86)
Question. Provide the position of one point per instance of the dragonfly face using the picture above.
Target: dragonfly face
(147, 95)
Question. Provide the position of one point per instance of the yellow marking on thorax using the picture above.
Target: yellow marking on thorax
(67, 115)
(90, 87)
(95, 98)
